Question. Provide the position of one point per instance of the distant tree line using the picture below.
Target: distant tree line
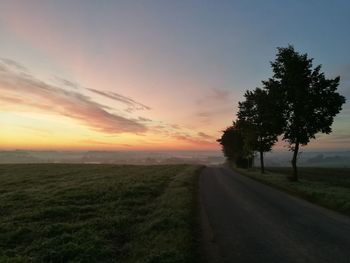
(296, 103)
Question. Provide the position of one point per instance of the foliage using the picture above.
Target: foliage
(97, 213)
(232, 143)
(233, 146)
(310, 100)
(298, 102)
(261, 120)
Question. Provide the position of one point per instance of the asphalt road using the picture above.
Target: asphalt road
(246, 221)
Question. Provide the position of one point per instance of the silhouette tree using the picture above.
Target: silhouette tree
(310, 101)
(260, 119)
(233, 146)
(248, 134)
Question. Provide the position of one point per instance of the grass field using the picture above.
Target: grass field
(97, 213)
(328, 187)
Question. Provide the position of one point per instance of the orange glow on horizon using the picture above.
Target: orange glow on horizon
(129, 86)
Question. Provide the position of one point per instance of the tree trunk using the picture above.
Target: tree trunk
(262, 167)
(294, 176)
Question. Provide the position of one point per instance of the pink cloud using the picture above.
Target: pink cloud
(195, 140)
(18, 87)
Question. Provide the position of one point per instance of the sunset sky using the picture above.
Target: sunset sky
(153, 75)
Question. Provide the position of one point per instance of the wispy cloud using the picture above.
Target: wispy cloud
(180, 133)
(11, 63)
(88, 141)
(205, 136)
(131, 104)
(337, 138)
(67, 83)
(192, 139)
(20, 89)
(215, 103)
(143, 119)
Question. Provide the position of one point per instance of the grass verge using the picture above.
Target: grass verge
(97, 213)
(328, 187)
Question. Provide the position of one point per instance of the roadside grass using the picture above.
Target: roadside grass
(328, 187)
(98, 213)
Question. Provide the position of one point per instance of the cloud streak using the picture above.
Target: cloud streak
(19, 89)
(205, 136)
(214, 104)
(22, 91)
(132, 104)
(194, 140)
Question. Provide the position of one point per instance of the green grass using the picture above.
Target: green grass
(328, 187)
(97, 213)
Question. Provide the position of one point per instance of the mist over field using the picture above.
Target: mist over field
(113, 157)
(273, 159)
(339, 159)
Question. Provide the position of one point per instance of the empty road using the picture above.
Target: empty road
(246, 221)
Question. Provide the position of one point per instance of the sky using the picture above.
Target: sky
(153, 75)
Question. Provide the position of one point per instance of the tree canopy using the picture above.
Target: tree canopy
(233, 146)
(310, 100)
(262, 121)
(297, 102)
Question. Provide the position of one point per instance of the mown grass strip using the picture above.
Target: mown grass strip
(169, 233)
(326, 187)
